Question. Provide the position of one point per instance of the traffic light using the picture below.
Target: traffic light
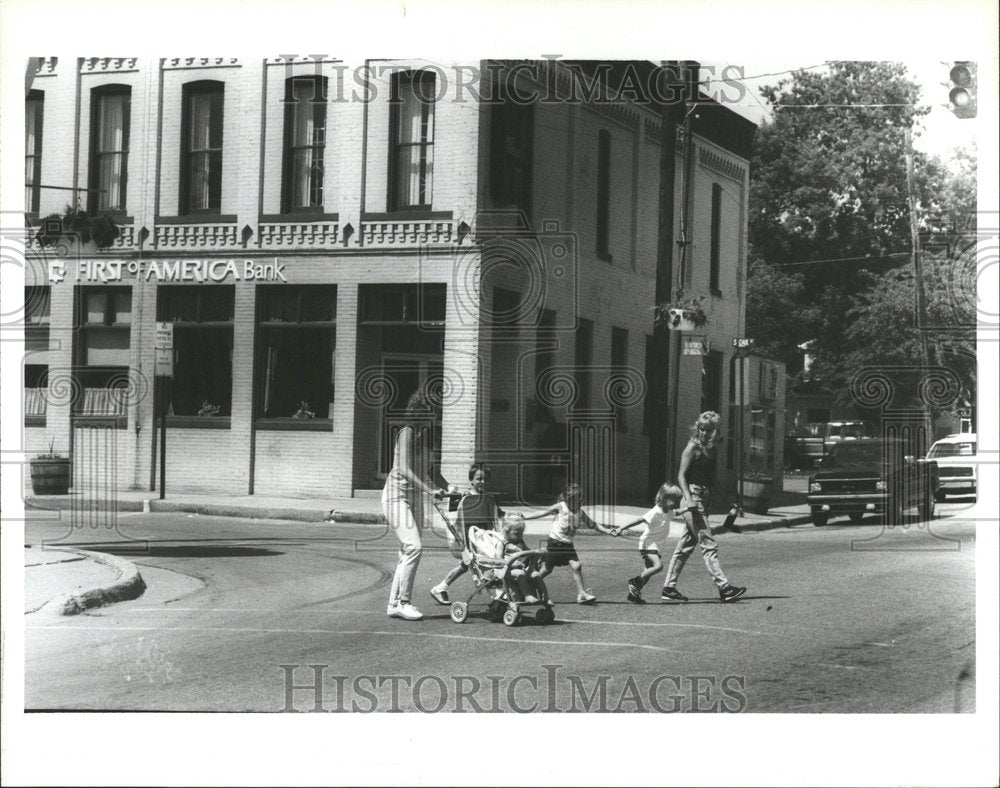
(962, 88)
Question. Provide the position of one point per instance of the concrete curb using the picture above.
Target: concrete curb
(334, 516)
(252, 512)
(66, 502)
(127, 585)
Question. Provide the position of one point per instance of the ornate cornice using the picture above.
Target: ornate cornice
(715, 161)
(93, 65)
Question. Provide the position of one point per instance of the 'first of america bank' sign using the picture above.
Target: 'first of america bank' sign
(174, 271)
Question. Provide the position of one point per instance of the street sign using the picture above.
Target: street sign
(742, 342)
(164, 337)
(163, 362)
(695, 346)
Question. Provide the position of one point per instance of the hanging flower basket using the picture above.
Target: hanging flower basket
(682, 314)
(77, 225)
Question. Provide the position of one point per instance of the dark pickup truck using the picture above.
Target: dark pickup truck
(871, 476)
(807, 448)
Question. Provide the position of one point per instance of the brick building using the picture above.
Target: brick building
(324, 238)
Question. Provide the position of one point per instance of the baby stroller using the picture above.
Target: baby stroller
(491, 576)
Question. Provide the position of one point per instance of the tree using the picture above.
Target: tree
(829, 217)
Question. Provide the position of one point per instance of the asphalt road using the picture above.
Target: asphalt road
(837, 619)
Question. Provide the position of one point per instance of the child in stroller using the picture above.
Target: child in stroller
(502, 567)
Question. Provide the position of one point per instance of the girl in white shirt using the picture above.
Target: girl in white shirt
(559, 550)
(654, 526)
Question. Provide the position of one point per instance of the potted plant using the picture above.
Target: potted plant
(50, 473)
(682, 314)
(208, 409)
(303, 412)
(757, 484)
(76, 224)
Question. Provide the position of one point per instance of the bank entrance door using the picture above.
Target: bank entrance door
(404, 374)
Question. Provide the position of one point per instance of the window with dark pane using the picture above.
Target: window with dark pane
(202, 316)
(305, 143)
(36, 345)
(715, 249)
(296, 346)
(412, 143)
(583, 356)
(511, 147)
(103, 341)
(603, 192)
(110, 109)
(619, 368)
(201, 147)
(33, 112)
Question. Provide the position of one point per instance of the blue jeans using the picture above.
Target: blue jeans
(696, 533)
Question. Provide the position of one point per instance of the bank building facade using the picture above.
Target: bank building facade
(324, 238)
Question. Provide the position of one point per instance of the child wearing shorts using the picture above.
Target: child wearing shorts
(654, 526)
(559, 549)
(477, 508)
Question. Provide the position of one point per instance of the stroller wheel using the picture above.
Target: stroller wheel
(545, 615)
(511, 618)
(459, 612)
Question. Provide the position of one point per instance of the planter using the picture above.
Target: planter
(757, 495)
(51, 476)
(680, 323)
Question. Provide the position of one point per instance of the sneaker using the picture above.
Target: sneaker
(634, 586)
(440, 595)
(585, 598)
(530, 600)
(392, 611)
(671, 594)
(634, 597)
(408, 611)
(731, 593)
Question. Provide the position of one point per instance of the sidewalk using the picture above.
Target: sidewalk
(65, 581)
(368, 510)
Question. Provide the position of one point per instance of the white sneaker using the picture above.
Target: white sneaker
(585, 598)
(408, 611)
(440, 594)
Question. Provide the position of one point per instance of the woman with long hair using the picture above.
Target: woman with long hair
(404, 499)
(696, 479)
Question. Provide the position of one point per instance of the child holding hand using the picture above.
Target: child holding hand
(653, 526)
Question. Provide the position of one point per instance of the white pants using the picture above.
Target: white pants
(406, 518)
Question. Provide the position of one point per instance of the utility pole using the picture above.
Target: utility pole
(690, 78)
(659, 370)
(918, 270)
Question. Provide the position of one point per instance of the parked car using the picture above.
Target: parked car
(957, 464)
(806, 449)
(871, 476)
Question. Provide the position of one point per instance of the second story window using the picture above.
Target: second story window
(305, 141)
(201, 148)
(109, 140)
(716, 240)
(411, 167)
(33, 106)
(603, 193)
(511, 133)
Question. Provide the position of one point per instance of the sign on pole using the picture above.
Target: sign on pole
(742, 343)
(696, 346)
(164, 338)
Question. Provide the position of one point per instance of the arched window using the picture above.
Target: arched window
(305, 144)
(201, 147)
(110, 108)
